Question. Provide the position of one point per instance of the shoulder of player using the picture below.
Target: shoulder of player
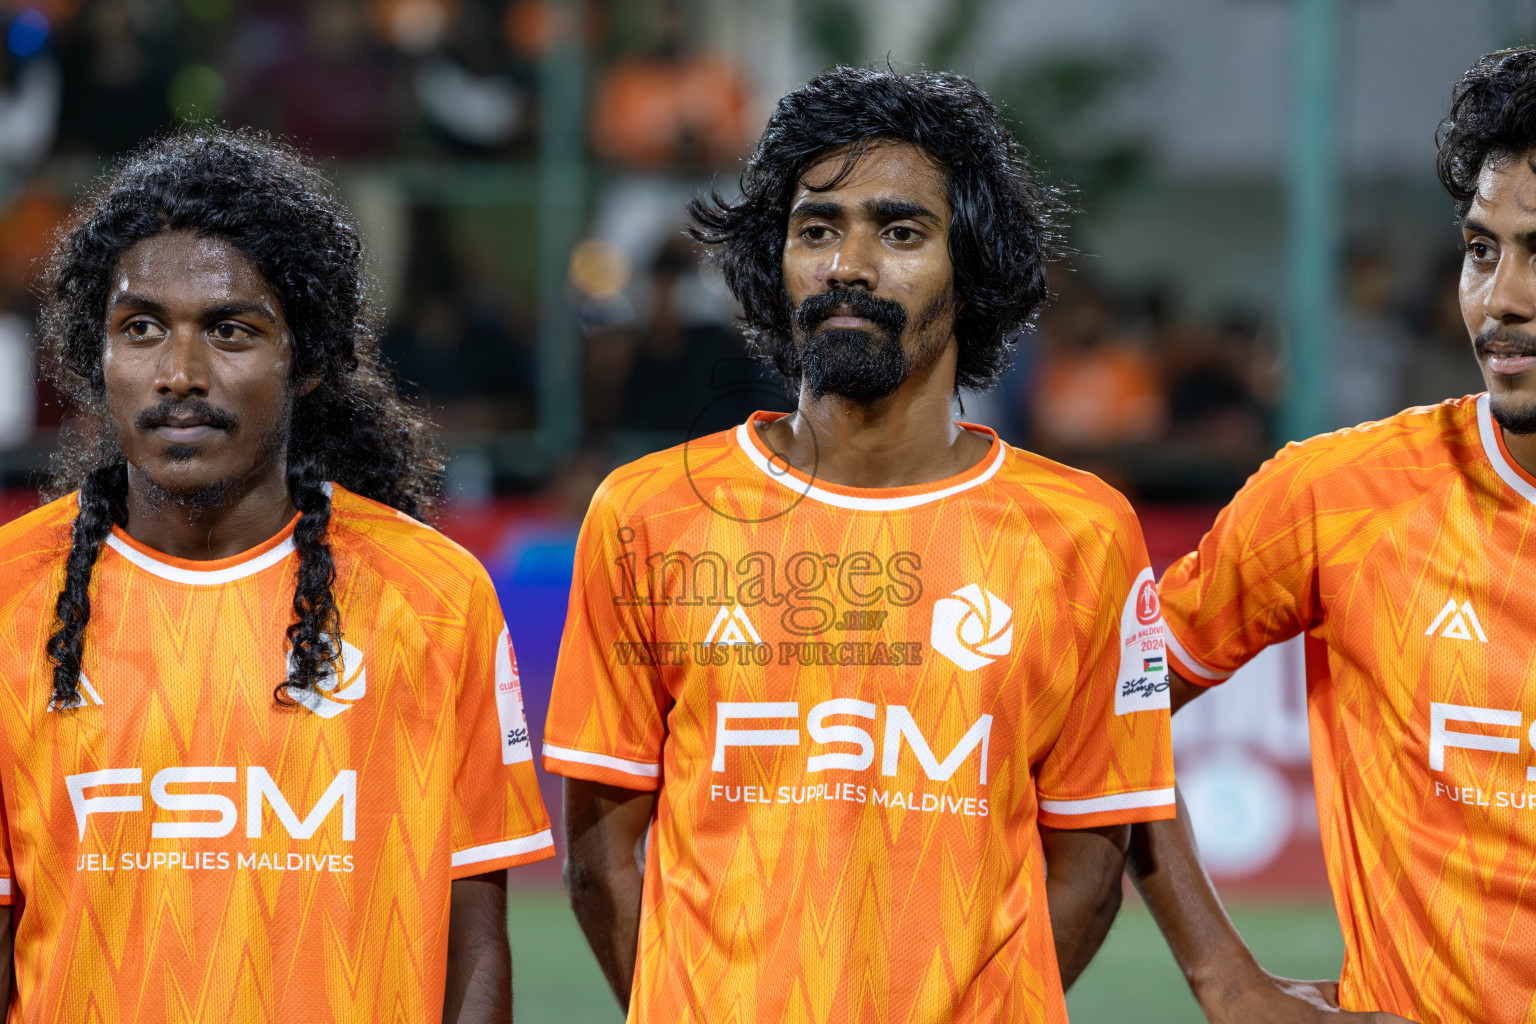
(378, 535)
(1420, 442)
(1033, 479)
(660, 479)
(41, 532)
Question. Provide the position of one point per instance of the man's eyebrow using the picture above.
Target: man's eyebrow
(899, 209)
(825, 208)
(1525, 238)
(132, 300)
(259, 310)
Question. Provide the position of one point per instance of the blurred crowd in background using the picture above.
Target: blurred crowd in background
(428, 113)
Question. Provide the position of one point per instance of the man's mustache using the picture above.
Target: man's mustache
(185, 412)
(889, 316)
(1508, 342)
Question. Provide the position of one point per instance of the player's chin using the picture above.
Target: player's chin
(184, 470)
(1513, 403)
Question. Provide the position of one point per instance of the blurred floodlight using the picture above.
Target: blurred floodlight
(415, 26)
(599, 268)
(27, 34)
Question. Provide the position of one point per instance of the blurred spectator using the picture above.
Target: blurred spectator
(18, 393)
(678, 370)
(1371, 345)
(1210, 400)
(458, 345)
(119, 58)
(1441, 365)
(467, 88)
(671, 107)
(1097, 386)
(31, 89)
(318, 72)
(27, 225)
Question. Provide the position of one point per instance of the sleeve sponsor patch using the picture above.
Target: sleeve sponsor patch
(1142, 683)
(515, 745)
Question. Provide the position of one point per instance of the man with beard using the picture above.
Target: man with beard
(263, 756)
(855, 704)
(1402, 550)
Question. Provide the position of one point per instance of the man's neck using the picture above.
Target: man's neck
(1522, 448)
(907, 438)
(208, 526)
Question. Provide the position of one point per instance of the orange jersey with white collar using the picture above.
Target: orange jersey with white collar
(1405, 551)
(856, 707)
(177, 847)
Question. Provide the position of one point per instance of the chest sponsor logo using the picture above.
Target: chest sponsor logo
(1455, 623)
(335, 693)
(260, 790)
(972, 627)
(262, 795)
(1496, 741)
(845, 746)
(1142, 682)
(732, 626)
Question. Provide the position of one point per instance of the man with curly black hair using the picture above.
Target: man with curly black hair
(264, 756)
(856, 704)
(1402, 550)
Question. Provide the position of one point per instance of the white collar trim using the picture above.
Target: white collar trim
(196, 577)
(801, 488)
(1487, 432)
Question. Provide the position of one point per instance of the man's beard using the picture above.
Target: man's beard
(862, 364)
(1515, 413)
(1518, 419)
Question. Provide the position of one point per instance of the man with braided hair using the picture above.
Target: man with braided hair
(264, 755)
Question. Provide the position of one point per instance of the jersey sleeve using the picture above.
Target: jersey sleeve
(1112, 762)
(8, 893)
(499, 818)
(608, 707)
(1253, 581)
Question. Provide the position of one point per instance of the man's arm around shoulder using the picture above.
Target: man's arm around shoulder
(1228, 982)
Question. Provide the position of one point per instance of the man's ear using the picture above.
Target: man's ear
(304, 385)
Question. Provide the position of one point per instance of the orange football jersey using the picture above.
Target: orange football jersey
(856, 705)
(178, 847)
(1405, 550)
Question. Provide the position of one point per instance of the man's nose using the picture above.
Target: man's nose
(854, 263)
(183, 369)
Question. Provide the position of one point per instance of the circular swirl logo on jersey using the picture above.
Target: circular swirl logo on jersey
(973, 627)
(1148, 607)
(333, 694)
